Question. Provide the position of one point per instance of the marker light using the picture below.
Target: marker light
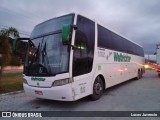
(120, 70)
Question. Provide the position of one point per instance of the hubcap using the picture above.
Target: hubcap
(98, 88)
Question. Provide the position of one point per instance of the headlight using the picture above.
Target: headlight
(62, 82)
(25, 81)
(146, 66)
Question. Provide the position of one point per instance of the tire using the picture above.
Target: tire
(158, 74)
(141, 73)
(98, 88)
(138, 75)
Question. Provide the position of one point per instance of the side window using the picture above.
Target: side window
(84, 42)
(105, 38)
(113, 41)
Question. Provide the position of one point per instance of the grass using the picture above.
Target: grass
(11, 82)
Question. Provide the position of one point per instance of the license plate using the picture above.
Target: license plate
(38, 92)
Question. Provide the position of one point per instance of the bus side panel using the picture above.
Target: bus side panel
(116, 72)
(81, 86)
(112, 71)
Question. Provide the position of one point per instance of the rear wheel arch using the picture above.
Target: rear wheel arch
(103, 80)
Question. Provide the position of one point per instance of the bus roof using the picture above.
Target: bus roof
(96, 23)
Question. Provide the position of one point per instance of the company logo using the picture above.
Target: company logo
(37, 79)
(121, 57)
(21, 115)
(6, 114)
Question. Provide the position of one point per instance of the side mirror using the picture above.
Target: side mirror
(66, 29)
(20, 45)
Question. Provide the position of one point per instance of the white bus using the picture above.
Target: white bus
(71, 56)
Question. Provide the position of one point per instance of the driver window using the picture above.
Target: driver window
(80, 54)
(84, 42)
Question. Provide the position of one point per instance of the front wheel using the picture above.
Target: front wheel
(97, 89)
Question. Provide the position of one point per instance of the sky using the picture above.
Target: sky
(136, 20)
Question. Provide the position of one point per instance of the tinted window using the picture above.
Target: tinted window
(110, 40)
(47, 56)
(84, 42)
(105, 38)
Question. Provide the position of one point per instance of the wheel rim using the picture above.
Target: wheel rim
(98, 88)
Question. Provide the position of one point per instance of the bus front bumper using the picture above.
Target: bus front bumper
(61, 93)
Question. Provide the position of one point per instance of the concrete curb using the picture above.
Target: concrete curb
(12, 93)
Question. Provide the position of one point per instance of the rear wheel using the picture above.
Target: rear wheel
(97, 88)
(138, 75)
(141, 74)
(159, 74)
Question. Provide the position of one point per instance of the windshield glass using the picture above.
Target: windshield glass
(47, 56)
(51, 25)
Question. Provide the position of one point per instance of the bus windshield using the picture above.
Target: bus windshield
(52, 25)
(46, 54)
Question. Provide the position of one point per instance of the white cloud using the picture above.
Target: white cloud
(137, 20)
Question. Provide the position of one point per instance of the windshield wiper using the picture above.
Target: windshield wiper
(44, 55)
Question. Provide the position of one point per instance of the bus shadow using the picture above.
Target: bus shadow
(54, 105)
(114, 88)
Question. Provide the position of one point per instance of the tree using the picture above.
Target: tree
(5, 46)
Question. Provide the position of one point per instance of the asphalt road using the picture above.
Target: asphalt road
(133, 95)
